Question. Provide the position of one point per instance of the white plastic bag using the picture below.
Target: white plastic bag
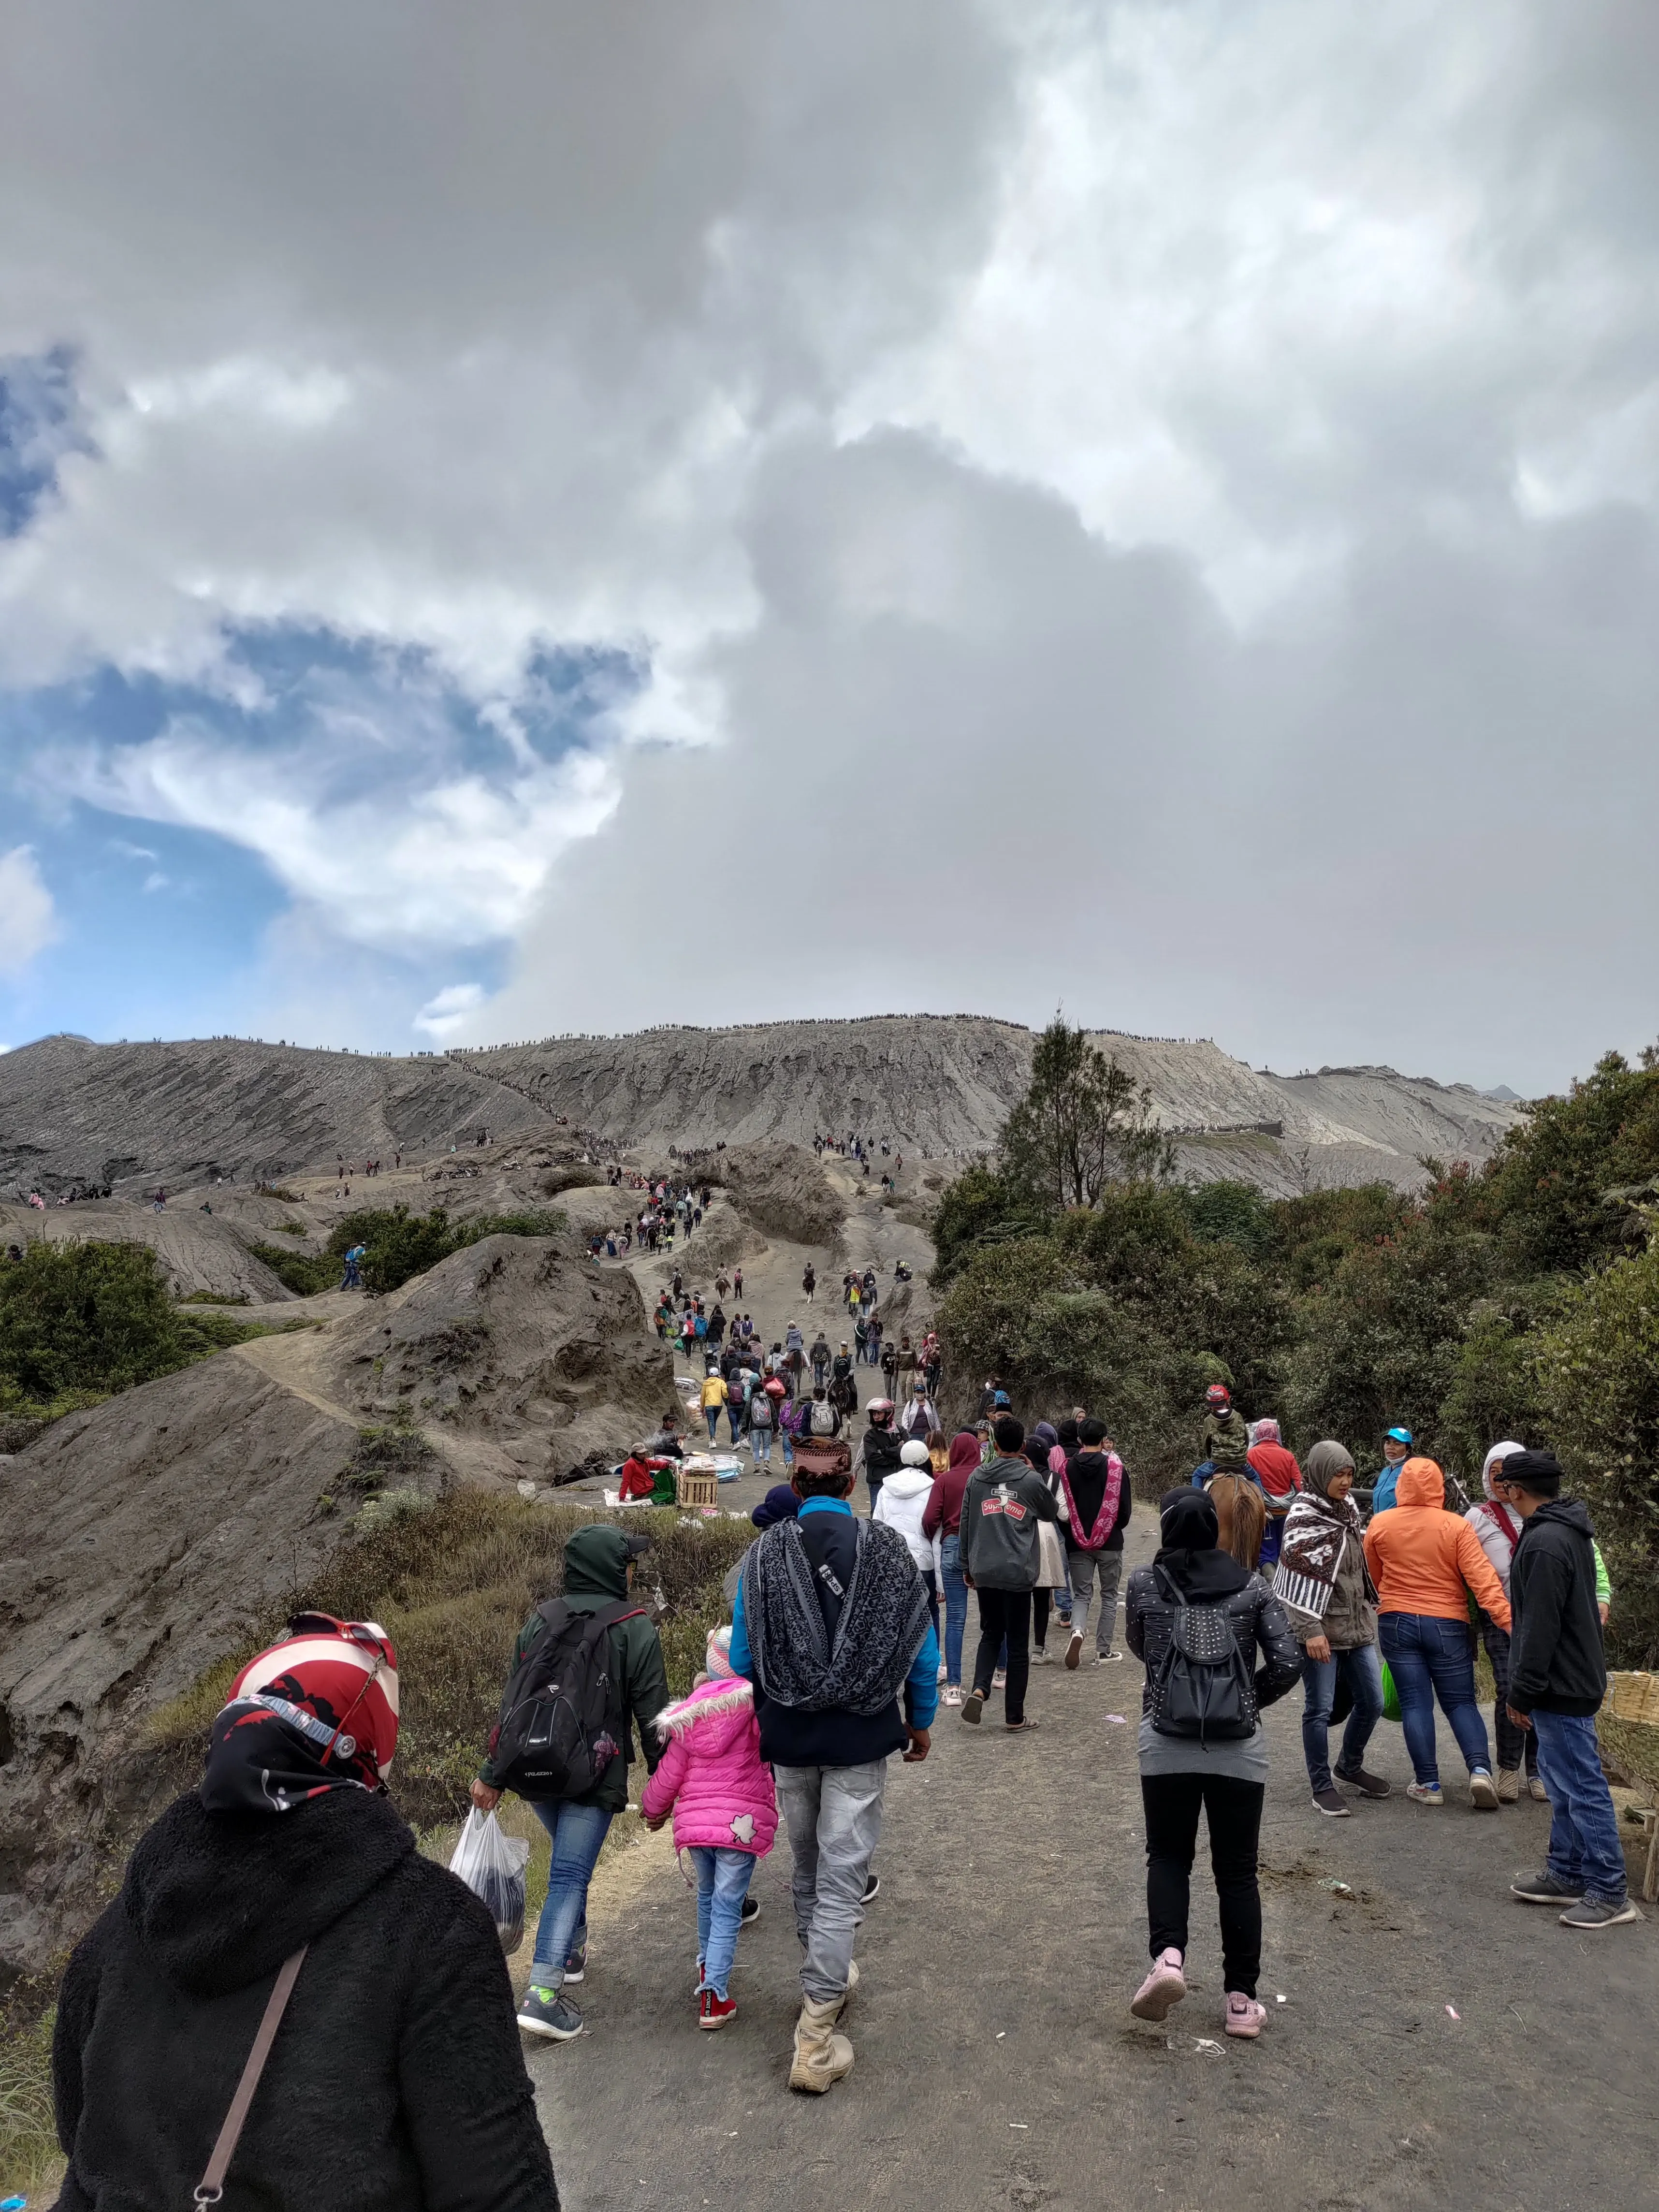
(492, 1866)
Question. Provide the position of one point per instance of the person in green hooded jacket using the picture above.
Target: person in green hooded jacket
(598, 1571)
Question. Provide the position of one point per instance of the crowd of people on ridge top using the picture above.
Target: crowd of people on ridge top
(832, 1662)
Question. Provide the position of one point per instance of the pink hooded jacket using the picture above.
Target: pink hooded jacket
(712, 1773)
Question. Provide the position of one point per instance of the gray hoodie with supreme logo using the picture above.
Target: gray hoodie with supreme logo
(1000, 1510)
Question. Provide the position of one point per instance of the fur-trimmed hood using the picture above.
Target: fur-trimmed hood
(705, 1701)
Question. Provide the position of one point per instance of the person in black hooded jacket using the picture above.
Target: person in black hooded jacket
(396, 2082)
(1557, 1679)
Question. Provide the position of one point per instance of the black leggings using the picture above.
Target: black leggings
(1171, 1802)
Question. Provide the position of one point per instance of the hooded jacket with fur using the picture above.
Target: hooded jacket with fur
(396, 2082)
(711, 1771)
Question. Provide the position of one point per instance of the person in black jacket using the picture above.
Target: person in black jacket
(395, 2083)
(1557, 1679)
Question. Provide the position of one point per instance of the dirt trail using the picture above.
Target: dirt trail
(998, 2065)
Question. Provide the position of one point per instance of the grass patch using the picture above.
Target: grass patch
(453, 1581)
(29, 2157)
(215, 1298)
(397, 1244)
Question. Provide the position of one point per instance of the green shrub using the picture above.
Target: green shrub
(29, 2157)
(79, 1321)
(1597, 1373)
(399, 1244)
(452, 1582)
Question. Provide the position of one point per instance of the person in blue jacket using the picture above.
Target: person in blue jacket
(1397, 1450)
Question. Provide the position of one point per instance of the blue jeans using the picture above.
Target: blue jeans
(723, 1877)
(955, 1605)
(577, 1832)
(711, 1415)
(734, 1414)
(1584, 1846)
(1361, 1671)
(1428, 1658)
(760, 1443)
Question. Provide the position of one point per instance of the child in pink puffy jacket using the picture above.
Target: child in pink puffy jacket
(712, 1778)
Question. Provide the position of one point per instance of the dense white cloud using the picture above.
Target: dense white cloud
(1154, 502)
(29, 920)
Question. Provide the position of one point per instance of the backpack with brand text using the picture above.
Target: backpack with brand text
(1204, 1687)
(561, 1721)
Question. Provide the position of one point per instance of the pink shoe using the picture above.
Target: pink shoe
(1244, 2014)
(1164, 1987)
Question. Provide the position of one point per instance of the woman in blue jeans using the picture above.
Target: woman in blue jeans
(943, 1519)
(1328, 1599)
(1425, 1563)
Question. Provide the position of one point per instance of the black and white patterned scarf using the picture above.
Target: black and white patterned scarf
(883, 1623)
(1317, 1531)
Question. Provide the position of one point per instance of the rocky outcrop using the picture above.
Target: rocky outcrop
(519, 1341)
(139, 1544)
(198, 1251)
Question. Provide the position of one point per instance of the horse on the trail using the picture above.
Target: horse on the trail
(1241, 1512)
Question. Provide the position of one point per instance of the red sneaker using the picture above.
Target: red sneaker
(714, 2011)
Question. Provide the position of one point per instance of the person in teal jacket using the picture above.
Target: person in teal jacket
(1397, 1450)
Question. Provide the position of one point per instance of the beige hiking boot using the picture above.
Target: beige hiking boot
(1509, 1784)
(822, 2055)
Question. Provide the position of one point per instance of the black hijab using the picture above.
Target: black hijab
(1188, 1530)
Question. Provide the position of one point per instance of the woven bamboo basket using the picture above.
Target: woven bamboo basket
(1633, 1698)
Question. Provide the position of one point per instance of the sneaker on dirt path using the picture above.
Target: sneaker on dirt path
(1509, 1784)
(1368, 1785)
(1483, 1791)
(1164, 1987)
(999, 1680)
(973, 1705)
(1536, 1790)
(1244, 2014)
(1039, 1655)
(1545, 1889)
(1108, 1658)
(872, 1889)
(1596, 1912)
(953, 1693)
(713, 2012)
(750, 1912)
(549, 2013)
(1074, 1650)
(1425, 1793)
(1334, 1802)
(575, 1966)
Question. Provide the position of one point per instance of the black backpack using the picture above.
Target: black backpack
(1204, 1687)
(562, 1719)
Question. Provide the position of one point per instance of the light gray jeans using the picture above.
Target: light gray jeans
(834, 1817)
(1084, 1567)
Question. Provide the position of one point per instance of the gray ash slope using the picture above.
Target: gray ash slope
(938, 1085)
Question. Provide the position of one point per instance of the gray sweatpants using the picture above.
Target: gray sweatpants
(834, 1817)
(1084, 1567)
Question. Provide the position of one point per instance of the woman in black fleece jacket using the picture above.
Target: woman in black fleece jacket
(396, 2083)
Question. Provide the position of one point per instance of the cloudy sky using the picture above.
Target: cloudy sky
(536, 517)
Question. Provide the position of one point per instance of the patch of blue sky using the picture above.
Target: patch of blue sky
(39, 422)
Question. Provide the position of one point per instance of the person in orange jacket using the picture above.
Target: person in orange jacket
(1425, 1562)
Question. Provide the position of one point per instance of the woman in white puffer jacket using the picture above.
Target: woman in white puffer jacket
(901, 1501)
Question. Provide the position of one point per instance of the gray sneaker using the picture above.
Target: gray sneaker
(1594, 1912)
(549, 2013)
(1545, 1889)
